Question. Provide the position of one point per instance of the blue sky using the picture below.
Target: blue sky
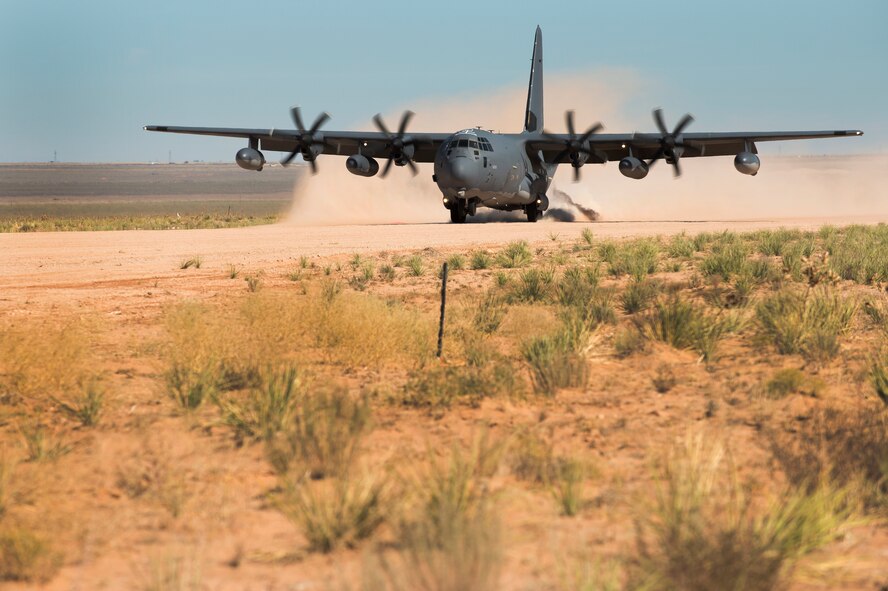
(83, 77)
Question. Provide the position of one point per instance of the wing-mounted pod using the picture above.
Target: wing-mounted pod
(634, 168)
(747, 162)
(250, 158)
(361, 165)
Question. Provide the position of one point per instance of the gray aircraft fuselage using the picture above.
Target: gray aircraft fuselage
(488, 169)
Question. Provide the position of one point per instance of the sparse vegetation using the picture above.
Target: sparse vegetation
(415, 266)
(192, 262)
(514, 255)
(480, 260)
(683, 325)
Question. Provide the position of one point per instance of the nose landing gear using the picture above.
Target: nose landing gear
(458, 211)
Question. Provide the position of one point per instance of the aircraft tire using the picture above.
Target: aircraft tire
(458, 212)
(533, 214)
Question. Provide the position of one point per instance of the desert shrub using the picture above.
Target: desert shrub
(263, 411)
(86, 405)
(451, 541)
(664, 379)
(323, 435)
(725, 260)
(792, 261)
(533, 285)
(807, 323)
(763, 271)
(637, 296)
(859, 253)
(532, 457)
(567, 486)
(791, 381)
(773, 242)
(489, 313)
(386, 273)
(628, 341)
(26, 556)
(680, 323)
(480, 260)
(339, 512)
(456, 262)
(576, 286)
(515, 254)
(840, 447)
(415, 266)
(876, 310)
(442, 387)
(702, 533)
(41, 444)
(42, 361)
(638, 259)
(879, 375)
(587, 237)
(192, 262)
(554, 363)
(680, 247)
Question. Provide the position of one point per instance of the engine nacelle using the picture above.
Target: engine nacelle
(633, 168)
(747, 163)
(361, 165)
(250, 159)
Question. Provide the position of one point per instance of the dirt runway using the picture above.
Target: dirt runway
(77, 259)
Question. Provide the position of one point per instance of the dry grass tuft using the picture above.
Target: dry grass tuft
(703, 533)
(26, 556)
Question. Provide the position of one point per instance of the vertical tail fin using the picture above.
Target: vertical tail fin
(533, 117)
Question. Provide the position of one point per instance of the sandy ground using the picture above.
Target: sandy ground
(75, 259)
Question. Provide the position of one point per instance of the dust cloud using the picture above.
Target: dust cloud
(710, 188)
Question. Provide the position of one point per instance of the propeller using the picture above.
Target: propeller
(306, 139)
(400, 146)
(575, 146)
(670, 141)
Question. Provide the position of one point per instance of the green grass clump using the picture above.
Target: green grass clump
(533, 285)
(725, 260)
(859, 253)
(681, 247)
(638, 259)
(587, 237)
(515, 254)
(456, 262)
(628, 341)
(678, 322)
(638, 296)
(555, 362)
(567, 487)
(386, 273)
(415, 266)
(807, 322)
(773, 242)
(480, 260)
(577, 286)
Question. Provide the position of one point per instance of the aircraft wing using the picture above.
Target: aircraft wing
(609, 146)
(341, 143)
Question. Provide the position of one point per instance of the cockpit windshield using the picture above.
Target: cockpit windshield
(482, 144)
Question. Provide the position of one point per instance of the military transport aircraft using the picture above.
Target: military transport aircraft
(508, 171)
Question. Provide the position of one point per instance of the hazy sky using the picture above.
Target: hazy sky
(83, 77)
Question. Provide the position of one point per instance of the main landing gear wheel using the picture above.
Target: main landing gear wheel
(533, 212)
(458, 212)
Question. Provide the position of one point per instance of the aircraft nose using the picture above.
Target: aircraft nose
(463, 171)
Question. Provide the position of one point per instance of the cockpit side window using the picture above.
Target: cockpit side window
(473, 145)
